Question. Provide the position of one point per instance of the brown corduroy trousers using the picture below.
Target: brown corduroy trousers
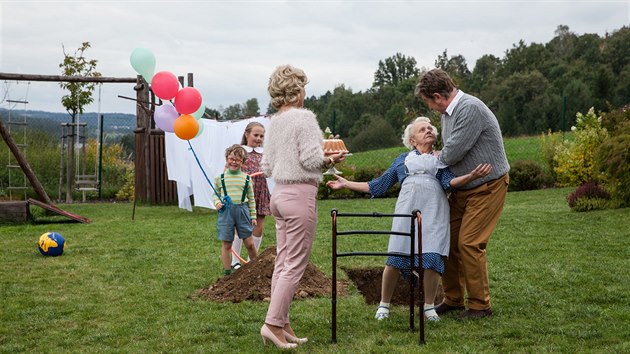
(474, 215)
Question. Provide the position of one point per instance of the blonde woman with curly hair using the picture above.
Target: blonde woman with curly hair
(294, 158)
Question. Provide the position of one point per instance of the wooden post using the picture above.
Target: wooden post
(142, 96)
(26, 168)
(190, 80)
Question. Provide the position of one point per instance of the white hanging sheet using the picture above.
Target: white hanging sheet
(210, 146)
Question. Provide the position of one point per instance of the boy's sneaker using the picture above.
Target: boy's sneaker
(382, 313)
(236, 266)
(227, 272)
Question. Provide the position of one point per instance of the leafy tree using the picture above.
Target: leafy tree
(235, 111)
(394, 70)
(523, 104)
(563, 44)
(485, 70)
(251, 108)
(579, 97)
(238, 111)
(80, 95)
(621, 95)
(587, 48)
(616, 49)
(455, 66)
(212, 113)
(372, 132)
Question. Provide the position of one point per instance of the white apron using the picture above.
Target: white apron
(421, 190)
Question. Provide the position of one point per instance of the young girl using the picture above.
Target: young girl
(252, 141)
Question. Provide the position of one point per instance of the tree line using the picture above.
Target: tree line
(533, 88)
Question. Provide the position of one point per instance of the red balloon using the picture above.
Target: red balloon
(188, 100)
(186, 127)
(165, 85)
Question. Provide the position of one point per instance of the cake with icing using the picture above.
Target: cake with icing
(334, 146)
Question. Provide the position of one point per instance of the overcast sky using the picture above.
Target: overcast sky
(233, 46)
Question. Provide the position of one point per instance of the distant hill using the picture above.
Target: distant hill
(117, 123)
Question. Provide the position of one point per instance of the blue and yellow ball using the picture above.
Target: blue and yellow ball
(51, 244)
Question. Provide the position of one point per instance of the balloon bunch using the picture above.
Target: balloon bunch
(182, 117)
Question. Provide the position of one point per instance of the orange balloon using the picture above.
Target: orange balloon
(186, 127)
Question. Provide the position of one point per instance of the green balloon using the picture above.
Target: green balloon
(199, 113)
(200, 128)
(143, 62)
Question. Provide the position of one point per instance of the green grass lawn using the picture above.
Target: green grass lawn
(517, 148)
(559, 283)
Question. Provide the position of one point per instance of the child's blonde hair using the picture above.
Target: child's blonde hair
(248, 129)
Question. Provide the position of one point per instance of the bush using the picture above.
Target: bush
(588, 204)
(575, 159)
(127, 192)
(528, 175)
(589, 196)
(613, 162)
(549, 144)
(372, 133)
(358, 175)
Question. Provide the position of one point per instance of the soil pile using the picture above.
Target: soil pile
(368, 282)
(253, 282)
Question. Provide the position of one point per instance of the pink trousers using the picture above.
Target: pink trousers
(294, 206)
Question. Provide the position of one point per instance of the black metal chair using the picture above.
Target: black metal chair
(415, 222)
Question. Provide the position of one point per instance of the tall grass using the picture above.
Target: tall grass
(558, 284)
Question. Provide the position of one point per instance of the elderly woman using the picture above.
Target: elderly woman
(423, 181)
(294, 158)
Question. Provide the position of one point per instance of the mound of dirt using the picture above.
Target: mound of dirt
(253, 282)
(368, 282)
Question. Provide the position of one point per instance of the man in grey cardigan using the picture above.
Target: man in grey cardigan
(471, 136)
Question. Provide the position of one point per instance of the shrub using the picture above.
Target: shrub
(615, 119)
(588, 196)
(549, 144)
(575, 159)
(588, 204)
(528, 175)
(372, 133)
(365, 174)
(127, 192)
(613, 162)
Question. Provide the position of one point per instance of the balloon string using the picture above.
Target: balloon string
(226, 200)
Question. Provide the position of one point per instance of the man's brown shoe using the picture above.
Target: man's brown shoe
(444, 308)
(473, 314)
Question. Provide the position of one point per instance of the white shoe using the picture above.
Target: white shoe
(431, 315)
(382, 313)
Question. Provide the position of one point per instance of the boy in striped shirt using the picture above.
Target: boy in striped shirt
(240, 212)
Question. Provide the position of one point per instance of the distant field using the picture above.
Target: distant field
(520, 148)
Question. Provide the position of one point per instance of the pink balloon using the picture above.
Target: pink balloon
(165, 116)
(165, 85)
(188, 100)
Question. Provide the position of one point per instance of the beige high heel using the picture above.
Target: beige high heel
(266, 333)
(294, 339)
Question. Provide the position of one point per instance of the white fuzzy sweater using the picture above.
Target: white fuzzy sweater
(293, 147)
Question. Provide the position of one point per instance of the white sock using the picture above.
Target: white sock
(431, 312)
(236, 246)
(384, 304)
(257, 241)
